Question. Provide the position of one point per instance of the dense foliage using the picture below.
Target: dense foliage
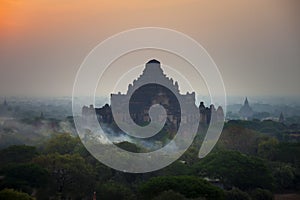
(189, 186)
(247, 163)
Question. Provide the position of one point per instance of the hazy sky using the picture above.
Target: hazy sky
(256, 44)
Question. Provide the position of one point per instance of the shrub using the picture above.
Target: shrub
(189, 186)
(261, 194)
(236, 194)
(10, 194)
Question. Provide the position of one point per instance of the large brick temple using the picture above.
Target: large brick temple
(160, 91)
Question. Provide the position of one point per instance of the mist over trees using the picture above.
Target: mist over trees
(245, 164)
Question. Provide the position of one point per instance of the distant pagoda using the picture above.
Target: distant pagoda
(246, 111)
(281, 118)
(5, 102)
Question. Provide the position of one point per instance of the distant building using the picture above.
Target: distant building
(42, 115)
(246, 111)
(281, 118)
(5, 109)
(5, 102)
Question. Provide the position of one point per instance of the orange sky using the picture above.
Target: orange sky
(14, 12)
(43, 40)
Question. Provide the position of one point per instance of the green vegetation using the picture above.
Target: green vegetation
(236, 194)
(10, 194)
(189, 186)
(235, 169)
(114, 191)
(249, 162)
(17, 154)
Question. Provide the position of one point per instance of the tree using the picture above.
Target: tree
(114, 191)
(238, 138)
(175, 169)
(235, 169)
(62, 143)
(267, 148)
(170, 194)
(288, 152)
(129, 146)
(189, 186)
(71, 175)
(237, 194)
(17, 154)
(10, 194)
(261, 194)
(285, 176)
(24, 177)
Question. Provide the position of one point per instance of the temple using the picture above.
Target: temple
(159, 89)
(246, 111)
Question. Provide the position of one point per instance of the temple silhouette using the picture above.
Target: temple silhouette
(160, 91)
(246, 111)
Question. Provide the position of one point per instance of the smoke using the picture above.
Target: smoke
(112, 136)
(31, 131)
(34, 131)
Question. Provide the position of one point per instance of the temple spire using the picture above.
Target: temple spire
(246, 101)
(281, 118)
(5, 102)
(153, 69)
(246, 111)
